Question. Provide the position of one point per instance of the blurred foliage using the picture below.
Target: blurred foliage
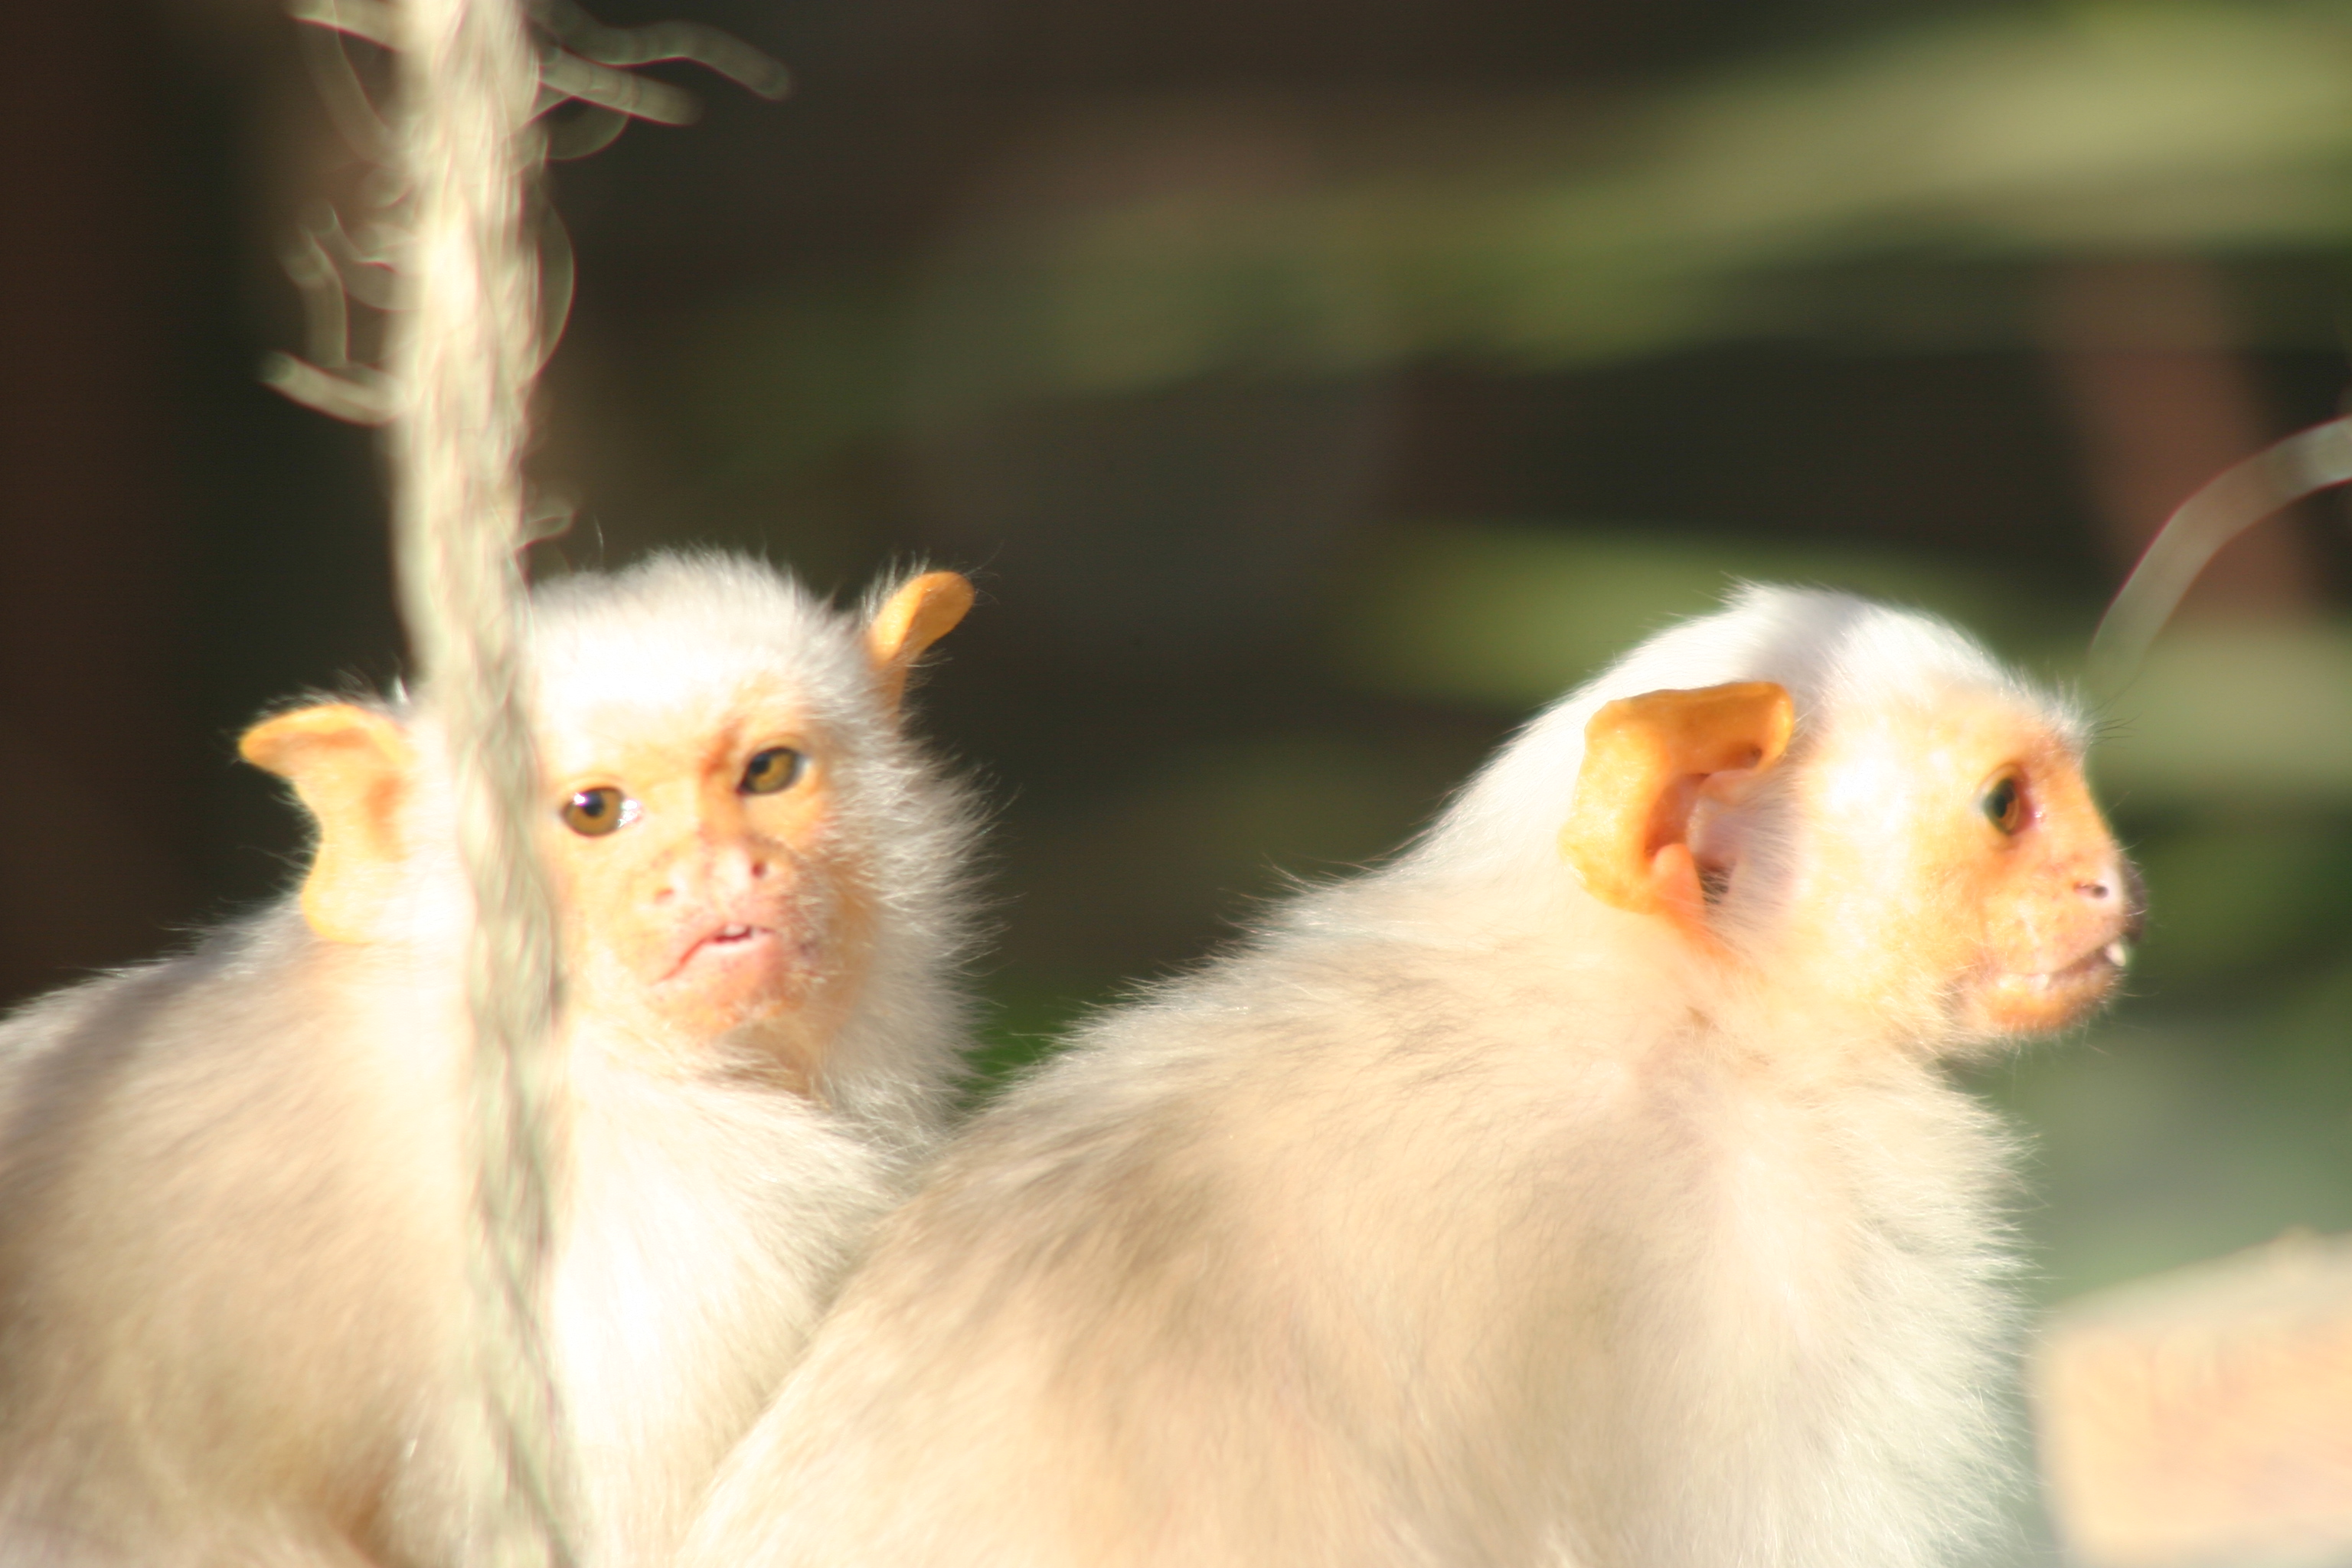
(1228, 828)
(2248, 896)
(2042, 132)
(2241, 713)
(2174, 1134)
(1895, 190)
(1515, 615)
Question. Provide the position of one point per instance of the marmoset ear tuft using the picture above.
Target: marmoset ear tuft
(909, 622)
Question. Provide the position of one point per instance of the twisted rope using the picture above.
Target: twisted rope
(463, 352)
(451, 258)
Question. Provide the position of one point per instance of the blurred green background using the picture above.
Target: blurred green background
(1314, 389)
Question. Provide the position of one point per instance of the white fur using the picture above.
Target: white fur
(1830, 649)
(1458, 1219)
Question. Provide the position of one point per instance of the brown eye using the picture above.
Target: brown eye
(2003, 803)
(777, 768)
(594, 813)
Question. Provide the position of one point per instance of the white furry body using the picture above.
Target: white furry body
(272, 1326)
(1309, 1335)
(706, 1236)
(234, 1187)
(1458, 1219)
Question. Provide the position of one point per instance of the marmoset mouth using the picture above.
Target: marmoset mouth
(728, 943)
(2052, 998)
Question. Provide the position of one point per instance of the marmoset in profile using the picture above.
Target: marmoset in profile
(1583, 1188)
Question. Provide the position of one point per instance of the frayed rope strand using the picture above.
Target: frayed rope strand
(2227, 505)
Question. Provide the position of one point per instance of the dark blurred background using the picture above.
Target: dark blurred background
(1314, 388)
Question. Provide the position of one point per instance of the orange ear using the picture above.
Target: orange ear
(911, 620)
(351, 766)
(1645, 760)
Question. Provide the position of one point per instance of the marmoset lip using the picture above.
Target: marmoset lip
(726, 942)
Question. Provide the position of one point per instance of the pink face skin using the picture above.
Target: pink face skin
(1958, 870)
(707, 893)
